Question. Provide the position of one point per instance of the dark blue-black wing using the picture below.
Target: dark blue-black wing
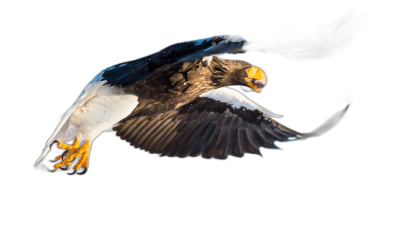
(128, 73)
(212, 129)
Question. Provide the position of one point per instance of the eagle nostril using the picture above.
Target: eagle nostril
(258, 83)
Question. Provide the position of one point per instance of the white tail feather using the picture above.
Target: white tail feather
(46, 151)
(64, 131)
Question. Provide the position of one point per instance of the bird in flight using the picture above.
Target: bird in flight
(175, 102)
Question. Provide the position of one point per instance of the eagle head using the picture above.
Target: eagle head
(235, 72)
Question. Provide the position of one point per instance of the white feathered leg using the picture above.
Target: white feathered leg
(98, 109)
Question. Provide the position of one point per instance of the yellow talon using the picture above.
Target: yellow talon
(83, 161)
(62, 145)
(73, 153)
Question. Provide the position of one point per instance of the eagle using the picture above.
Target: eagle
(175, 102)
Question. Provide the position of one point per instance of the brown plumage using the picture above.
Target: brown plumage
(173, 120)
(175, 103)
(182, 83)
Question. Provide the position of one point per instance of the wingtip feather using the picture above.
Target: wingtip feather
(328, 125)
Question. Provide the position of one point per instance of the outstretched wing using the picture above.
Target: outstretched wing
(307, 41)
(212, 126)
(128, 73)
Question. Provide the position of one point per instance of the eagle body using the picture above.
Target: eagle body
(181, 84)
(176, 102)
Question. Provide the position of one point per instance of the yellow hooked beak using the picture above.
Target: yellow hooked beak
(256, 78)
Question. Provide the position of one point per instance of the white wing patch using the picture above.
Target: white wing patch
(237, 100)
(206, 60)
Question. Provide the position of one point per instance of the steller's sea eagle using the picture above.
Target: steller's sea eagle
(175, 103)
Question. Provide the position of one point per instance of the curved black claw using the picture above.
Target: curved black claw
(65, 152)
(65, 167)
(52, 171)
(82, 171)
(72, 173)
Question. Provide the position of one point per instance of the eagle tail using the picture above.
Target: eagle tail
(46, 151)
(60, 133)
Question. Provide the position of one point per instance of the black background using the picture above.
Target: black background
(67, 49)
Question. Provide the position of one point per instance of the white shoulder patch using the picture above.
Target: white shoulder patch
(237, 100)
(206, 60)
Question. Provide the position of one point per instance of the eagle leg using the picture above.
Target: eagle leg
(62, 145)
(82, 152)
